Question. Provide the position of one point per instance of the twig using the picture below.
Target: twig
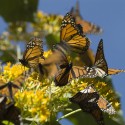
(73, 112)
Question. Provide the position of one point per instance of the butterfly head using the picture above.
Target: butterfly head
(35, 41)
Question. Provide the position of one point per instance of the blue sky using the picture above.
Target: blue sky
(110, 15)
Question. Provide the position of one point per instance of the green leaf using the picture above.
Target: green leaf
(18, 10)
(51, 40)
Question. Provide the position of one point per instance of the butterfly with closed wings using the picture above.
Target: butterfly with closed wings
(33, 53)
(100, 67)
(91, 102)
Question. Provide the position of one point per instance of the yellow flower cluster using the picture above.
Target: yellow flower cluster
(38, 99)
(33, 104)
(47, 23)
(43, 25)
(11, 72)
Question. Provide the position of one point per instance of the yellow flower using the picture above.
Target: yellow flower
(43, 118)
(117, 104)
(47, 53)
(36, 103)
(12, 71)
(40, 14)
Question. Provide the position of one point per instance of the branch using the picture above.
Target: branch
(73, 112)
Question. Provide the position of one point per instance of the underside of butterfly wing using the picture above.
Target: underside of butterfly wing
(106, 106)
(33, 52)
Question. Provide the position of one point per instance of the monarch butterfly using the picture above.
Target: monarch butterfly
(33, 53)
(88, 27)
(90, 101)
(62, 76)
(72, 35)
(11, 87)
(8, 111)
(68, 72)
(100, 67)
(49, 67)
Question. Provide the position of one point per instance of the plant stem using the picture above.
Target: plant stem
(73, 112)
(50, 104)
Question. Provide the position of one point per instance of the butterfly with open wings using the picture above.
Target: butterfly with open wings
(72, 35)
(10, 88)
(99, 69)
(88, 27)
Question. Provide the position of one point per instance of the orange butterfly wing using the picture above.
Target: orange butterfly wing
(72, 34)
(33, 53)
(114, 71)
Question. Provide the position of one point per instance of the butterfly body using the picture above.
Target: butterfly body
(100, 67)
(90, 95)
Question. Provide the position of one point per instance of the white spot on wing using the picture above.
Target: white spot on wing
(100, 72)
(87, 90)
